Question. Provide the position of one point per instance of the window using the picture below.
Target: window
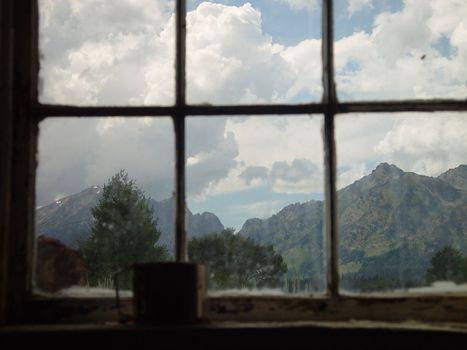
(27, 112)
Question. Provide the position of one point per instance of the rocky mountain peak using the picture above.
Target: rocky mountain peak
(381, 175)
(387, 170)
(456, 177)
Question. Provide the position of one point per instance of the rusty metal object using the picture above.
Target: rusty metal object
(57, 266)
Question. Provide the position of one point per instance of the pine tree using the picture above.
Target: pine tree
(448, 264)
(124, 232)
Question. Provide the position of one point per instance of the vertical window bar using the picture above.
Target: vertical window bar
(179, 126)
(327, 51)
(180, 233)
(180, 47)
(6, 86)
(19, 271)
(329, 97)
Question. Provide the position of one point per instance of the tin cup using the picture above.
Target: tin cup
(167, 292)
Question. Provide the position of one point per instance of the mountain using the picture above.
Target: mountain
(69, 219)
(456, 177)
(296, 233)
(391, 223)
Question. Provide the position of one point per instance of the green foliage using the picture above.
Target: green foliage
(123, 232)
(363, 284)
(237, 262)
(402, 267)
(448, 264)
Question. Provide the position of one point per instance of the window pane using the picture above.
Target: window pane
(253, 52)
(259, 183)
(402, 197)
(104, 195)
(97, 52)
(401, 49)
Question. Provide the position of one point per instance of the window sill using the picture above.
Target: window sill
(445, 309)
(233, 335)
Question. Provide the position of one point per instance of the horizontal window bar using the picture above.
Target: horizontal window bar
(43, 111)
(403, 106)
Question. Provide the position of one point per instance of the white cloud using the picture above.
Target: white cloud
(75, 154)
(231, 60)
(91, 57)
(122, 53)
(349, 176)
(284, 154)
(95, 52)
(305, 62)
(423, 143)
(353, 6)
(301, 4)
(212, 165)
(298, 176)
(426, 144)
(356, 138)
(400, 57)
(261, 209)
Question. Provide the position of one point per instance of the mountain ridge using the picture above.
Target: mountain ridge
(69, 219)
(391, 222)
(387, 216)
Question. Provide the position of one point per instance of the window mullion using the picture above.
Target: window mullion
(179, 126)
(180, 54)
(180, 232)
(329, 98)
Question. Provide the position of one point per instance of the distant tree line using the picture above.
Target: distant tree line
(448, 264)
(237, 262)
(124, 232)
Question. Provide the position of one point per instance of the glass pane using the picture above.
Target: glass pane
(97, 52)
(402, 197)
(253, 52)
(400, 49)
(104, 194)
(259, 183)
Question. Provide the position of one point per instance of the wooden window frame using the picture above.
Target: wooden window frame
(21, 113)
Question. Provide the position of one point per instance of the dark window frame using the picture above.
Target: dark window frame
(22, 114)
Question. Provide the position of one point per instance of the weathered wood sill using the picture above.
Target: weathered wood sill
(237, 335)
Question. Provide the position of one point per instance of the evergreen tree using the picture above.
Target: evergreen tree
(237, 262)
(447, 264)
(124, 232)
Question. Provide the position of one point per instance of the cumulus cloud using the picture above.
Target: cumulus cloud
(261, 209)
(210, 166)
(348, 176)
(94, 52)
(301, 4)
(299, 176)
(426, 144)
(400, 57)
(78, 153)
(353, 6)
(231, 60)
(100, 53)
(254, 173)
(280, 153)
(305, 62)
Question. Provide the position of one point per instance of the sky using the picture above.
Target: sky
(96, 52)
